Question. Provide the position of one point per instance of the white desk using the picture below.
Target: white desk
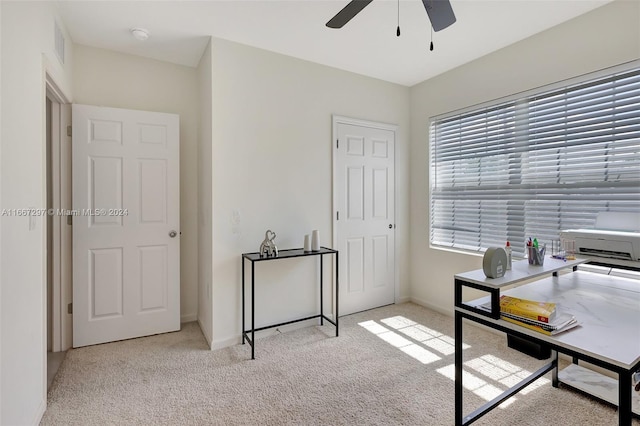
(608, 309)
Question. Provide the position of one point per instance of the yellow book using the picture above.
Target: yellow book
(539, 311)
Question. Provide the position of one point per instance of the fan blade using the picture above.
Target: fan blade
(347, 13)
(440, 13)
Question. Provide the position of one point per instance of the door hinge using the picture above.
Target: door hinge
(69, 131)
(337, 143)
(337, 215)
(70, 308)
(69, 220)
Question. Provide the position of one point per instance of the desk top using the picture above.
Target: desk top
(607, 308)
(283, 254)
(520, 271)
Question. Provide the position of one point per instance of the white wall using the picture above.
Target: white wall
(205, 196)
(1, 205)
(25, 57)
(107, 78)
(602, 38)
(272, 147)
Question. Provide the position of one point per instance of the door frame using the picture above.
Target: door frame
(335, 121)
(61, 244)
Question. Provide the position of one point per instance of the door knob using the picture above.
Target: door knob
(390, 226)
(173, 234)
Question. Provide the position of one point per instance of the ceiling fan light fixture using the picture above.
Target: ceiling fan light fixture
(439, 11)
(139, 33)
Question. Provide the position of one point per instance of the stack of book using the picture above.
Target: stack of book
(542, 317)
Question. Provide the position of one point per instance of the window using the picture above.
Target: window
(535, 164)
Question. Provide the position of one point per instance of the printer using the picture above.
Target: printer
(616, 235)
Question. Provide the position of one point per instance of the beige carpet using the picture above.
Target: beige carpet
(390, 366)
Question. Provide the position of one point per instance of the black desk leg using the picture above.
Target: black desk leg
(624, 398)
(321, 311)
(253, 311)
(554, 372)
(337, 294)
(458, 369)
(242, 331)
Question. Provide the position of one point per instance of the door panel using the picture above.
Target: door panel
(105, 274)
(105, 132)
(126, 201)
(355, 265)
(153, 134)
(105, 189)
(355, 193)
(379, 193)
(153, 278)
(380, 255)
(153, 191)
(364, 186)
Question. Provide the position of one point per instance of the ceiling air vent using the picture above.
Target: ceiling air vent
(59, 42)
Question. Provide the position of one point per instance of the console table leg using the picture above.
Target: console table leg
(253, 311)
(321, 311)
(337, 294)
(242, 331)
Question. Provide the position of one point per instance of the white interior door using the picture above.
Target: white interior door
(364, 195)
(126, 245)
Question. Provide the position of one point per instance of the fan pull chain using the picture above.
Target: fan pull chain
(431, 45)
(398, 30)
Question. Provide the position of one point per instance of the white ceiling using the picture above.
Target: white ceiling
(367, 45)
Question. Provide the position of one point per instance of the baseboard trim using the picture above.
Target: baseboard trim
(431, 306)
(403, 300)
(225, 343)
(188, 318)
(41, 409)
(204, 334)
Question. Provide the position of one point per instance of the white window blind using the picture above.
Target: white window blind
(533, 166)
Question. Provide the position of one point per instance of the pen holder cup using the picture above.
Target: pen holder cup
(536, 255)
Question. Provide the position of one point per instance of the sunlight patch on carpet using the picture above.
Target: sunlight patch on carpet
(405, 345)
(476, 385)
(504, 372)
(493, 368)
(428, 337)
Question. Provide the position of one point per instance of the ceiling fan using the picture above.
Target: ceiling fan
(439, 11)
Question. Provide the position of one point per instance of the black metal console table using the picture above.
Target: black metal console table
(283, 254)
